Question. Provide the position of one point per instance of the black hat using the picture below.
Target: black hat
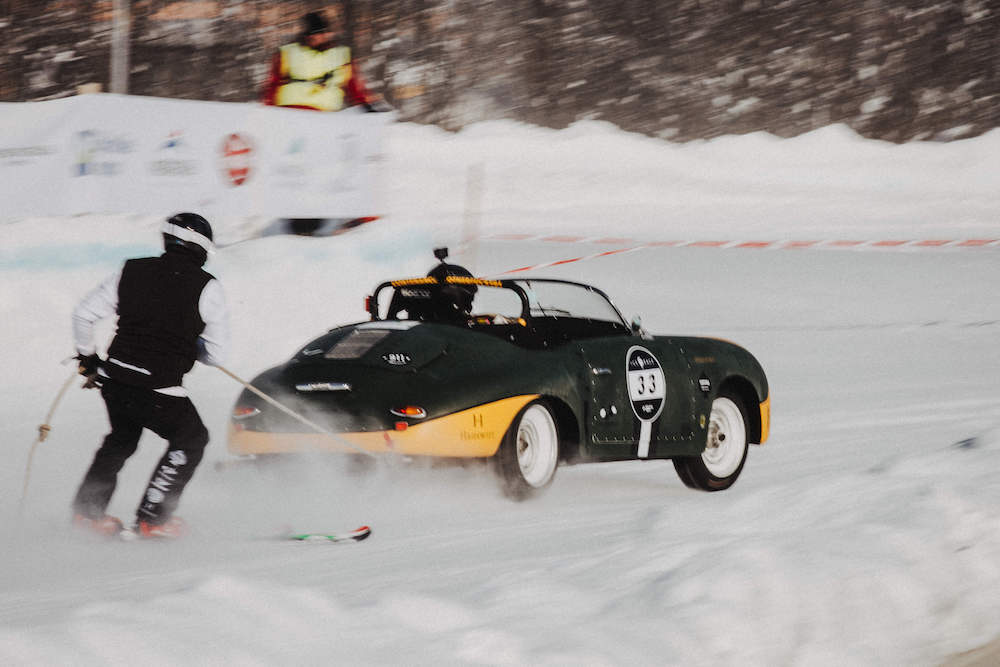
(314, 23)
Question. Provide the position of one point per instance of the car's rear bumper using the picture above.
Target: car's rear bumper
(476, 432)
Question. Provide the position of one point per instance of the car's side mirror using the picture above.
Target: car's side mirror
(636, 324)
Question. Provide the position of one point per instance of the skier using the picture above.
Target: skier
(171, 312)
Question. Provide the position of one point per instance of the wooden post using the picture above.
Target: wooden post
(120, 45)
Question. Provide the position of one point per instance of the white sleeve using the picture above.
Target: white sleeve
(213, 344)
(100, 302)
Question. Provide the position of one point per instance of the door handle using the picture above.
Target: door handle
(601, 371)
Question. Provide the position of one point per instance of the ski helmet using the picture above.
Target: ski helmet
(189, 231)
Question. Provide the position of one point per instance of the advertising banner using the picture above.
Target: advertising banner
(145, 155)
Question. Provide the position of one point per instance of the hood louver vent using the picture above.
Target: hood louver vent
(356, 344)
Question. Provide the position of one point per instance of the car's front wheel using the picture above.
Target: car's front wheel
(529, 453)
(721, 463)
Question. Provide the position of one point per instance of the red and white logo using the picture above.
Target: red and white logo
(237, 159)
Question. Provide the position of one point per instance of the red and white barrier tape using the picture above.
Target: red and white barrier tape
(632, 245)
(574, 259)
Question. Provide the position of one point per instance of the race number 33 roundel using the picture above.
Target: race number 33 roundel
(646, 391)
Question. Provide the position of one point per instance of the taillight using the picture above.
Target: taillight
(244, 412)
(411, 411)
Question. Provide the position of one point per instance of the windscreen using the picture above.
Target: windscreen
(413, 300)
(557, 299)
(497, 301)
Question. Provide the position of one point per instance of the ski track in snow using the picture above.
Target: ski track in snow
(865, 532)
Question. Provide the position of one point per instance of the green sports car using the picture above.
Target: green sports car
(525, 372)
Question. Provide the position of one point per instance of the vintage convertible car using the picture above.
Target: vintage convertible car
(527, 373)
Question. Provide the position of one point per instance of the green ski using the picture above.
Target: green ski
(355, 535)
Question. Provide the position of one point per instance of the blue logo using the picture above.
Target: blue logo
(174, 140)
(96, 152)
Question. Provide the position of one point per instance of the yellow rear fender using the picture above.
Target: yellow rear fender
(473, 433)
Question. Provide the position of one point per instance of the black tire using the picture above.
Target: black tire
(726, 446)
(529, 454)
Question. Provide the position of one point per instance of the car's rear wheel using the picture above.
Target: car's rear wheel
(718, 467)
(529, 453)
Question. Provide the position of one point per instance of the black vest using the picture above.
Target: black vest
(158, 320)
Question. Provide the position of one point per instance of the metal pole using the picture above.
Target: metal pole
(120, 47)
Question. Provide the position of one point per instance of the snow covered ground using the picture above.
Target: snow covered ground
(861, 533)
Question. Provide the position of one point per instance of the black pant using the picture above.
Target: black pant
(130, 410)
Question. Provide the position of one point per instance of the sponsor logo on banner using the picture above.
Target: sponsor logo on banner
(19, 155)
(345, 166)
(237, 159)
(170, 160)
(291, 169)
(174, 140)
(98, 153)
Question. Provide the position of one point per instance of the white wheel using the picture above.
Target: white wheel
(537, 446)
(529, 454)
(726, 446)
(727, 439)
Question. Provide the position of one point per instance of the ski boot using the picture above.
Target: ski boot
(172, 528)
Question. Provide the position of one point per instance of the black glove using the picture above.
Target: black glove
(88, 365)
